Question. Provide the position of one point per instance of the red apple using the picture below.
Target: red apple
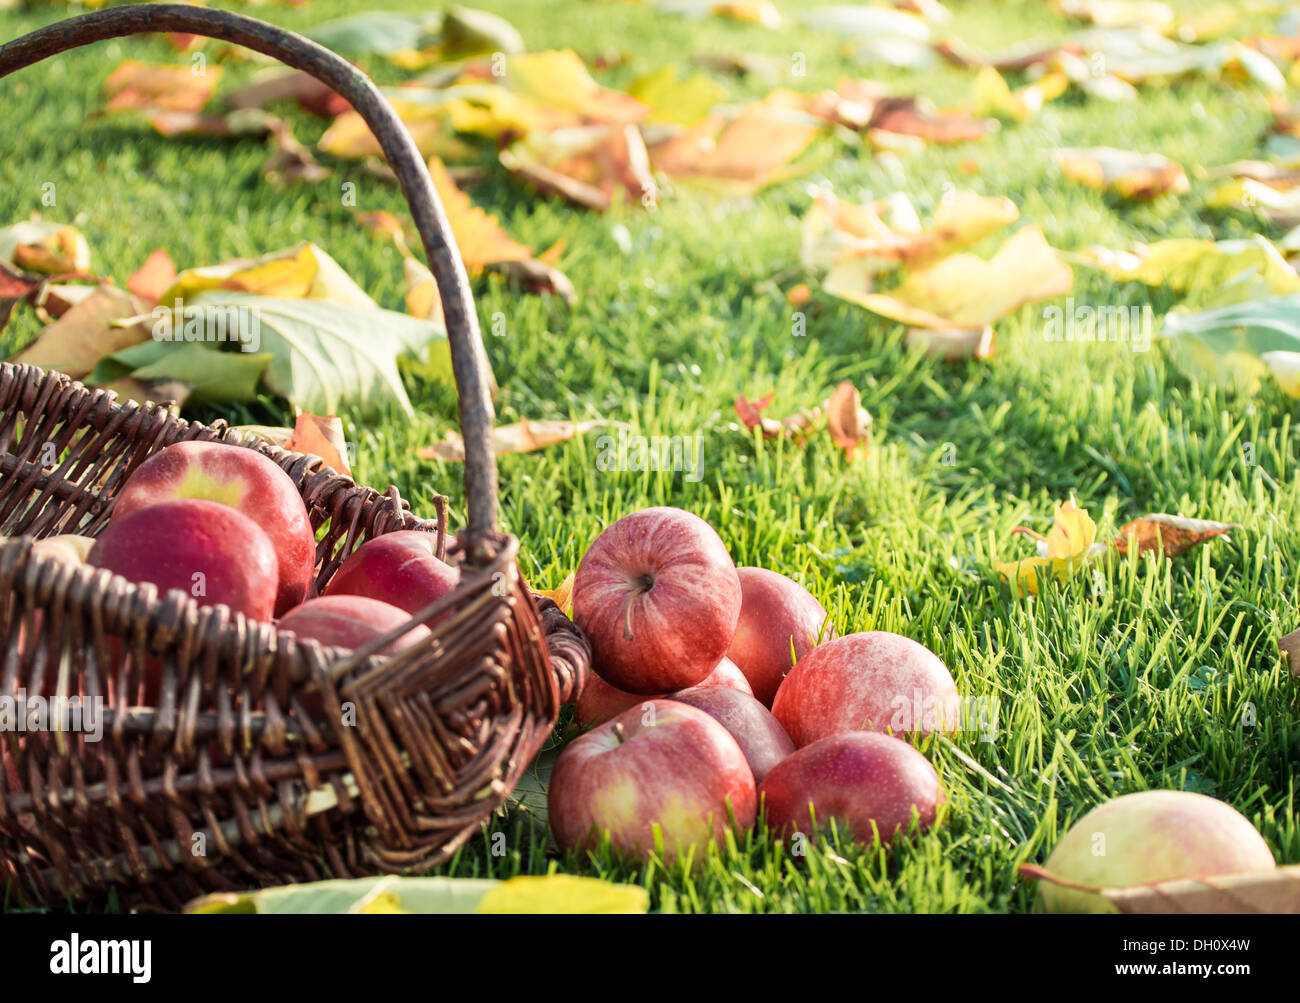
(868, 782)
(350, 622)
(245, 480)
(398, 568)
(875, 681)
(776, 614)
(205, 549)
(759, 735)
(600, 701)
(664, 766)
(1147, 837)
(658, 597)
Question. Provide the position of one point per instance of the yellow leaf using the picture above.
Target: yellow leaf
(481, 239)
(1066, 548)
(1132, 175)
(430, 127)
(673, 99)
(564, 893)
(994, 98)
(562, 594)
(302, 272)
(558, 79)
(1072, 532)
(1285, 367)
(1241, 269)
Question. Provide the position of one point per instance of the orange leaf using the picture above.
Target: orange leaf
(848, 421)
(481, 239)
(562, 594)
(148, 85)
(154, 277)
(523, 437)
(1167, 534)
(751, 151)
(321, 436)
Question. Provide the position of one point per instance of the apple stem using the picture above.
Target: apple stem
(619, 734)
(642, 587)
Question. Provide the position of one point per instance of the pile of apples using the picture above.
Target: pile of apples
(721, 693)
(225, 525)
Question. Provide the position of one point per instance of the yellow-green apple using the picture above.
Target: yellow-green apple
(245, 480)
(874, 681)
(207, 550)
(778, 616)
(662, 772)
(345, 621)
(658, 597)
(869, 783)
(599, 701)
(1147, 837)
(399, 568)
(759, 735)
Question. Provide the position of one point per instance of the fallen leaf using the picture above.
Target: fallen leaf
(312, 95)
(791, 427)
(321, 435)
(966, 291)
(304, 271)
(912, 116)
(523, 437)
(210, 375)
(1167, 534)
(1240, 343)
(134, 85)
(558, 79)
(993, 97)
(88, 332)
(1067, 547)
(16, 286)
(671, 98)
(589, 166)
(751, 151)
(1131, 175)
(1285, 367)
(562, 594)
(847, 421)
(1274, 891)
(154, 277)
(48, 248)
(1233, 269)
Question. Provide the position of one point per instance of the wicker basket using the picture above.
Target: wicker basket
(230, 781)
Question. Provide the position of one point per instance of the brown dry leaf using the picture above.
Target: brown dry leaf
(589, 166)
(791, 427)
(562, 594)
(48, 248)
(312, 95)
(847, 420)
(911, 116)
(1289, 646)
(1275, 892)
(87, 333)
(536, 276)
(1169, 535)
(753, 150)
(15, 287)
(291, 162)
(321, 435)
(135, 85)
(1132, 175)
(170, 392)
(154, 277)
(954, 344)
(523, 437)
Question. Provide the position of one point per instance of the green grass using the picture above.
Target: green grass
(1141, 683)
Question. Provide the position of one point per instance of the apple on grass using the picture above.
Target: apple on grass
(776, 614)
(874, 681)
(399, 568)
(1147, 837)
(243, 479)
(759, 735)
(599, 701)
(663, 769)
(658, 597)
(871, 784)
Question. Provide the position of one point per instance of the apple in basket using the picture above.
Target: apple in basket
(243, 479)
(399, 568)
(658, 597)
(599, 701)
(660, 773)
(779, 623)
(344, 621)
(871, 784)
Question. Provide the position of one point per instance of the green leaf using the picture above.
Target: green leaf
(468, 32)
(330, 354)
(216, 377)
(1228, 341)
(564, 893)
(375, 32)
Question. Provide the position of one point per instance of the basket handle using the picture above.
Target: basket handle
(469, 360)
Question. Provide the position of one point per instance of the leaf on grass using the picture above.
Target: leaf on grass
(321, 435)
(1067, 547)
(760, 12)
(753, 150)
(558, 79)
(48, 248)
(590, 166)
(481, 239)
(791, 427)
(88, 332)
(328, 353)
(349, 138)
(210, 375)
(1233, 269)
(1131, 175)
(1275, 197)
(993, 97)
(966, 291)
(522, 437)
(134, 85)
(1241, 343)
(847, 421)
(16, 286)
(1273, 891)
(1169, 535)
(291, 162)
(671, 98)
(562, 594)
(154, 277)
(305, 271)
(913, 116)
(560, 894)
(312, 95)
(374, 33)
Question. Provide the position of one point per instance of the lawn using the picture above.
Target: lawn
(1139, 679)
